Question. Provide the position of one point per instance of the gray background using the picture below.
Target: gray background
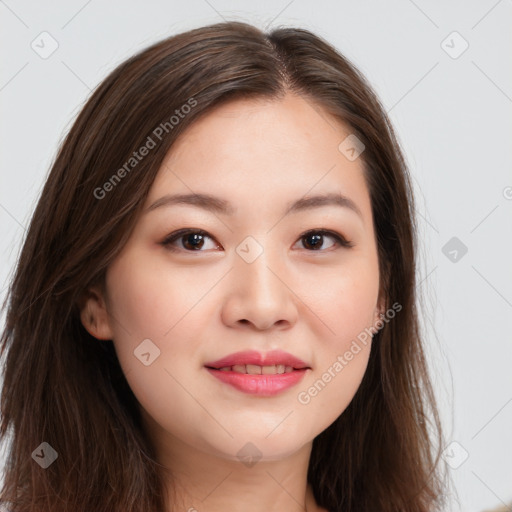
(452, 113)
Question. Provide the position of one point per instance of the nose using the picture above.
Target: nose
(259, 295)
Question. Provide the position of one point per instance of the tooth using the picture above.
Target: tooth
(253, 369)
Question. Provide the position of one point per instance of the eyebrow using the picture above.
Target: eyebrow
(221, 206)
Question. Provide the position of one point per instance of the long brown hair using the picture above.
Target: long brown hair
(65, 388)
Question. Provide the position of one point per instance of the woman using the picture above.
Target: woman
(215, 303)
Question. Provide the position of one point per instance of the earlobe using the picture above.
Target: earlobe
(376, 318)
(94, 315)
(379, 314)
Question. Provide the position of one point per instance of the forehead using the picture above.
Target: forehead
(293, 123)
(248, 150)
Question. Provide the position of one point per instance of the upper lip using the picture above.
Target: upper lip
(275, 357)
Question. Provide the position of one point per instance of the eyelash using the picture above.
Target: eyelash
(340, 240)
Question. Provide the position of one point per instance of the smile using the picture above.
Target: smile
(253, 380)
(254, 369)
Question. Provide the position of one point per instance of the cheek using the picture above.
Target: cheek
(145, 303)
(345, 302)
(148, 299)
(346, 306)
(342, 354)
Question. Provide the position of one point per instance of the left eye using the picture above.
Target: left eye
(193, 240)
(316, 238)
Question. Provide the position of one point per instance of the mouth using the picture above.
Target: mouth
(260, 384)
(258, 374)
(254, 362)
(254, 369)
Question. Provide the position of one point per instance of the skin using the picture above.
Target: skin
(199, 306)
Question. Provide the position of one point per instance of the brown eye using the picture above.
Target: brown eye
(313, 240)
(191, 240)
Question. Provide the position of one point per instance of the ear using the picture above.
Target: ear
(94, 315)
(380, 309)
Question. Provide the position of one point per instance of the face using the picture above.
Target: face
(259, 276)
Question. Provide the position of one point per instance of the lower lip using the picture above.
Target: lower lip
(262, 385)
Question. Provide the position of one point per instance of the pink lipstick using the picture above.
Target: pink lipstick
(259, 374)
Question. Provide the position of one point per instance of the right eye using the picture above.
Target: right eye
(192, 240)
